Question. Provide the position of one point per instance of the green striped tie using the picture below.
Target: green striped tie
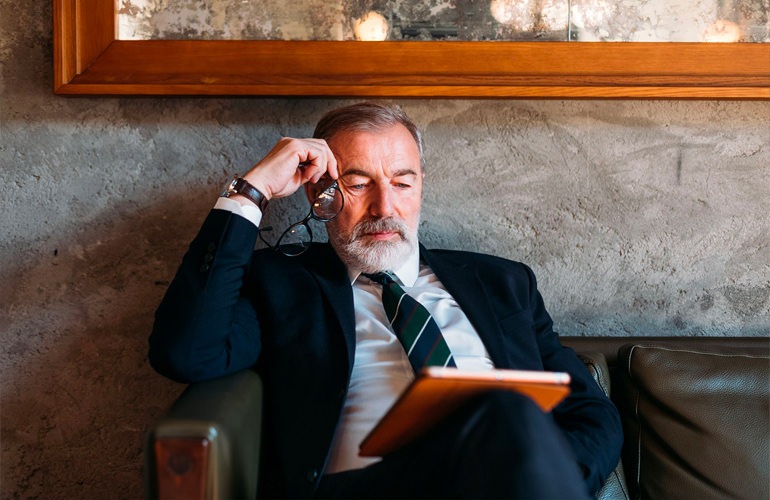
(413, 325)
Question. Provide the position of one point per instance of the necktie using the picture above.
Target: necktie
(413, 325)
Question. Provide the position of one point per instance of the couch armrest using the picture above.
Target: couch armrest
(596, 363)
(614, 487)
(207, 444)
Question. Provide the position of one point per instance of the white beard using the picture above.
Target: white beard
(370, 256)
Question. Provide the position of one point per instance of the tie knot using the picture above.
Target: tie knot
(381, 278)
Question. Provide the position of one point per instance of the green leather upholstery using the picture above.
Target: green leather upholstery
(615, 486)
(225, 417)
(697, 423)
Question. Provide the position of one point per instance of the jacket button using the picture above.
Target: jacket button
(312, 475)
(205, 268)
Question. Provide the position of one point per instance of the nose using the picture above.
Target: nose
(381, 203)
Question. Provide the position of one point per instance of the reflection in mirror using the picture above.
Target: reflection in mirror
(472, 20)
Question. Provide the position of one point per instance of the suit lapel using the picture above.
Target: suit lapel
(470, 293)
(462, 283)
(332, 278)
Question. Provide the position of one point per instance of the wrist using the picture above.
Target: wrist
(241, 190)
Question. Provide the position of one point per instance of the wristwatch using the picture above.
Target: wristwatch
(241, 186)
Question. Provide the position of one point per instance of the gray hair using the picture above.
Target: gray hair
(365, 117)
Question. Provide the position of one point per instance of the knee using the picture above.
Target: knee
(509, 418)
(504, 405)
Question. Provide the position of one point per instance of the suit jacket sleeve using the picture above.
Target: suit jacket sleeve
(590, 421)
(205, 327)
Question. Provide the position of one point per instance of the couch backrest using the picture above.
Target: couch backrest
(697, 422)
(708, 378)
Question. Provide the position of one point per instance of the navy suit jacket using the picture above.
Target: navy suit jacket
(230, 308)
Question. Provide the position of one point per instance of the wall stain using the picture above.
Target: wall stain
(748, 301)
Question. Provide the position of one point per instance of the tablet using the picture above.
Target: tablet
(437, 391)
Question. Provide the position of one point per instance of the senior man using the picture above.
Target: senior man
(310, 319)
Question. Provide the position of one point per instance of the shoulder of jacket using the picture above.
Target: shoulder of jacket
(468, 257)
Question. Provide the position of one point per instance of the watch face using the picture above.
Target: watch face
(229, 189)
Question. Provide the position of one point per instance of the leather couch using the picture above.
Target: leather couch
(695, 410)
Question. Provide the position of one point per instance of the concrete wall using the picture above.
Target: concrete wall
(645, 218)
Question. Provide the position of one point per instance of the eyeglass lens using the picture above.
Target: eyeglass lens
(325, 207)
(328, 204)
(296, 239)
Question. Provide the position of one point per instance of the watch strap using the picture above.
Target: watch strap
(242, 187)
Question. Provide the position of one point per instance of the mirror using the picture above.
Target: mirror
(89, 58)
(433, 20)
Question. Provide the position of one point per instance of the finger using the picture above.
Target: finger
(291, 163)
(313, 175)
(318, 164)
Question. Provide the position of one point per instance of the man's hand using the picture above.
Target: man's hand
(290, 164)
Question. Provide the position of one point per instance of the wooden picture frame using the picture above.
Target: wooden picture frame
(90, 60)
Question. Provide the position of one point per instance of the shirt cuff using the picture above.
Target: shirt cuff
(249, 212)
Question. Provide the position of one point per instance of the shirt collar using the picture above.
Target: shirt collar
(406, 274)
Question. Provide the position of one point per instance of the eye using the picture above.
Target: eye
(356, 183)
(402, 183)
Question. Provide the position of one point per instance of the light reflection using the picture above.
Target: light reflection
(516, 13)
(372, 27)
(531, 15)
(591, 15)
(722, 31)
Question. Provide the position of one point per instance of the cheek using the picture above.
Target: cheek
(410, 210)
(356, 208)
(345, 220)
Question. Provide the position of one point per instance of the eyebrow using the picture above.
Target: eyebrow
(362, 173)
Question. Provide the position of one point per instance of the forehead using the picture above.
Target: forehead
(392, 147)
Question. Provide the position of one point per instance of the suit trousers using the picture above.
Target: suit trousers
(498, 445)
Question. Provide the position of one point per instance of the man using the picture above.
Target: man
(315, 328)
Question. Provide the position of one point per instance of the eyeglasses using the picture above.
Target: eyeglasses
(298, 237)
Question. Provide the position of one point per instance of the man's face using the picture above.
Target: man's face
(381, 177)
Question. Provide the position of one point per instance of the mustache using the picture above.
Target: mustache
(379, 225)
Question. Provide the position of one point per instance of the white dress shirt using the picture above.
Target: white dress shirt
(381, 368)
(251, 213)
